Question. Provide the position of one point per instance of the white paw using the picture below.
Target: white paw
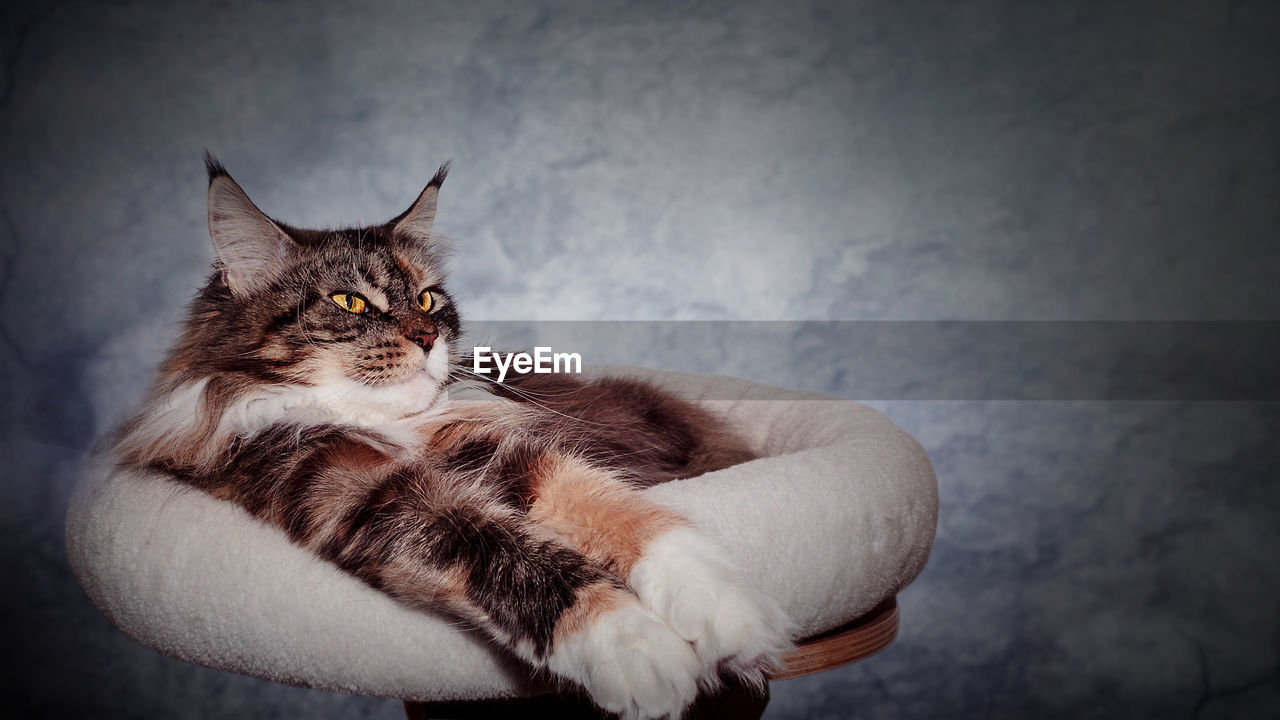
(687, 580)
(631, 663)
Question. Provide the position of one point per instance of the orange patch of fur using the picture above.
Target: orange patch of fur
(596, 513)
(589, 603)
(427, 586)
(447, 433)
(440, 582)
(470, 421)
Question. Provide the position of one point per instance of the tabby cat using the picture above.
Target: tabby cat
(309, 387)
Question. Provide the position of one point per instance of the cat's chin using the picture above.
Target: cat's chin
(417, 393)
(373, 405)
(352, 401)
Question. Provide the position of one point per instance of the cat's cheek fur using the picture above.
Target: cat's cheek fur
(372, 405)
(688, 580)
(630, 662)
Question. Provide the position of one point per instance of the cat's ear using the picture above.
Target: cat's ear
(414, 224)
(252, 249)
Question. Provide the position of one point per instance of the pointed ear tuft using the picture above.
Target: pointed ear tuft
(252, 249)
(213, 167)
(415, 223)
(438, 179)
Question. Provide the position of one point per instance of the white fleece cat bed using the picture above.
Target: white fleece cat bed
(839, 515)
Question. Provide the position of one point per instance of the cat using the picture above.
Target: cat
(310, 386)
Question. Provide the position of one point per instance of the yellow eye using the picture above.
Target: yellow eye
(424, 300)
(350, 302)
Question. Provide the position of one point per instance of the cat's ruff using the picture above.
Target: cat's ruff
(838, 516)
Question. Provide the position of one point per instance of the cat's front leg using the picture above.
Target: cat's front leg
(628, 659)
(677, 571)
(685, 577)
(550, 605)
(437, 540)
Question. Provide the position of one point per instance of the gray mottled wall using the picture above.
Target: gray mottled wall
(779, 161)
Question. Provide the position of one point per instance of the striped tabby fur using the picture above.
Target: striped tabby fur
(520, 515)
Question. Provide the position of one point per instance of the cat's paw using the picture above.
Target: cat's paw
(687, 580)
(631, 663)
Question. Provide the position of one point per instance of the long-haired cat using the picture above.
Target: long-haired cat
(309, 387)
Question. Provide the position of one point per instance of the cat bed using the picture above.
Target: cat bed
(837, 516)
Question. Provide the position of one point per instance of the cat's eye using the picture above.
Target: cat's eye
(425, 300)
(350, 302)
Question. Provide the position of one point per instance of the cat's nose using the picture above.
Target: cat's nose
(421, 339)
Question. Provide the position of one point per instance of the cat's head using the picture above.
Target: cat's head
(357, 321)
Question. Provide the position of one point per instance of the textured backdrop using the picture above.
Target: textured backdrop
(782, 161)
